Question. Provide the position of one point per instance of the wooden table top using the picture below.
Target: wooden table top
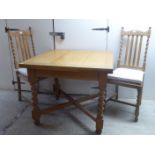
(71, 60)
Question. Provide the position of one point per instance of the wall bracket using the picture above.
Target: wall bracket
(102, 29)
(60, 34)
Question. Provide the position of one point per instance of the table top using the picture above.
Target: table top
(71, 60)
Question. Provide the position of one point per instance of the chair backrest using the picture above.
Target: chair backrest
(133, 49)
(21, 44)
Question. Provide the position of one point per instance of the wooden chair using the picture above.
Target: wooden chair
(22, 47)
(131, 65)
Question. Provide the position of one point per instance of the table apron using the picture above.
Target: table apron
(77, 75)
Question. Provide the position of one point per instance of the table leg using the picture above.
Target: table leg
(35, 111)
(101, 102)
(56, 88)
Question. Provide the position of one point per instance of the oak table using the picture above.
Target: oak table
(70, 64)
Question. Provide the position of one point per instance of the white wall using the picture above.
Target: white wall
(44, 42)
(5, 68)
(80, 36)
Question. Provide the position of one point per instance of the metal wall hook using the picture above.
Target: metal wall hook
(60, 34)
(102, 29)
(10, 29)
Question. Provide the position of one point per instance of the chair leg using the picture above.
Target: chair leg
(56, 88)
(141, 94)
(116, 91)
(105, 94)
(38, 86)
(19, 88)
(139, 98)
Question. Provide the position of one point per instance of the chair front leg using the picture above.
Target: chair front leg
(19, 87)
(116, 91)
(139, 99)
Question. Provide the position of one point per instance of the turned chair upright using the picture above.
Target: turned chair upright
(131, 65)
(22, 47)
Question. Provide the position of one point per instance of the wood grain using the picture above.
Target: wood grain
(72, 60)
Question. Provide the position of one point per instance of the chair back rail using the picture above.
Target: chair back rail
(132, 54)
(22, 45)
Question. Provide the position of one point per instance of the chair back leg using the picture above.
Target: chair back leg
(139, 99)
(56, 88)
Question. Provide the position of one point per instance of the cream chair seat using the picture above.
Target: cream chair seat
(127, 75)
(22, 71)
